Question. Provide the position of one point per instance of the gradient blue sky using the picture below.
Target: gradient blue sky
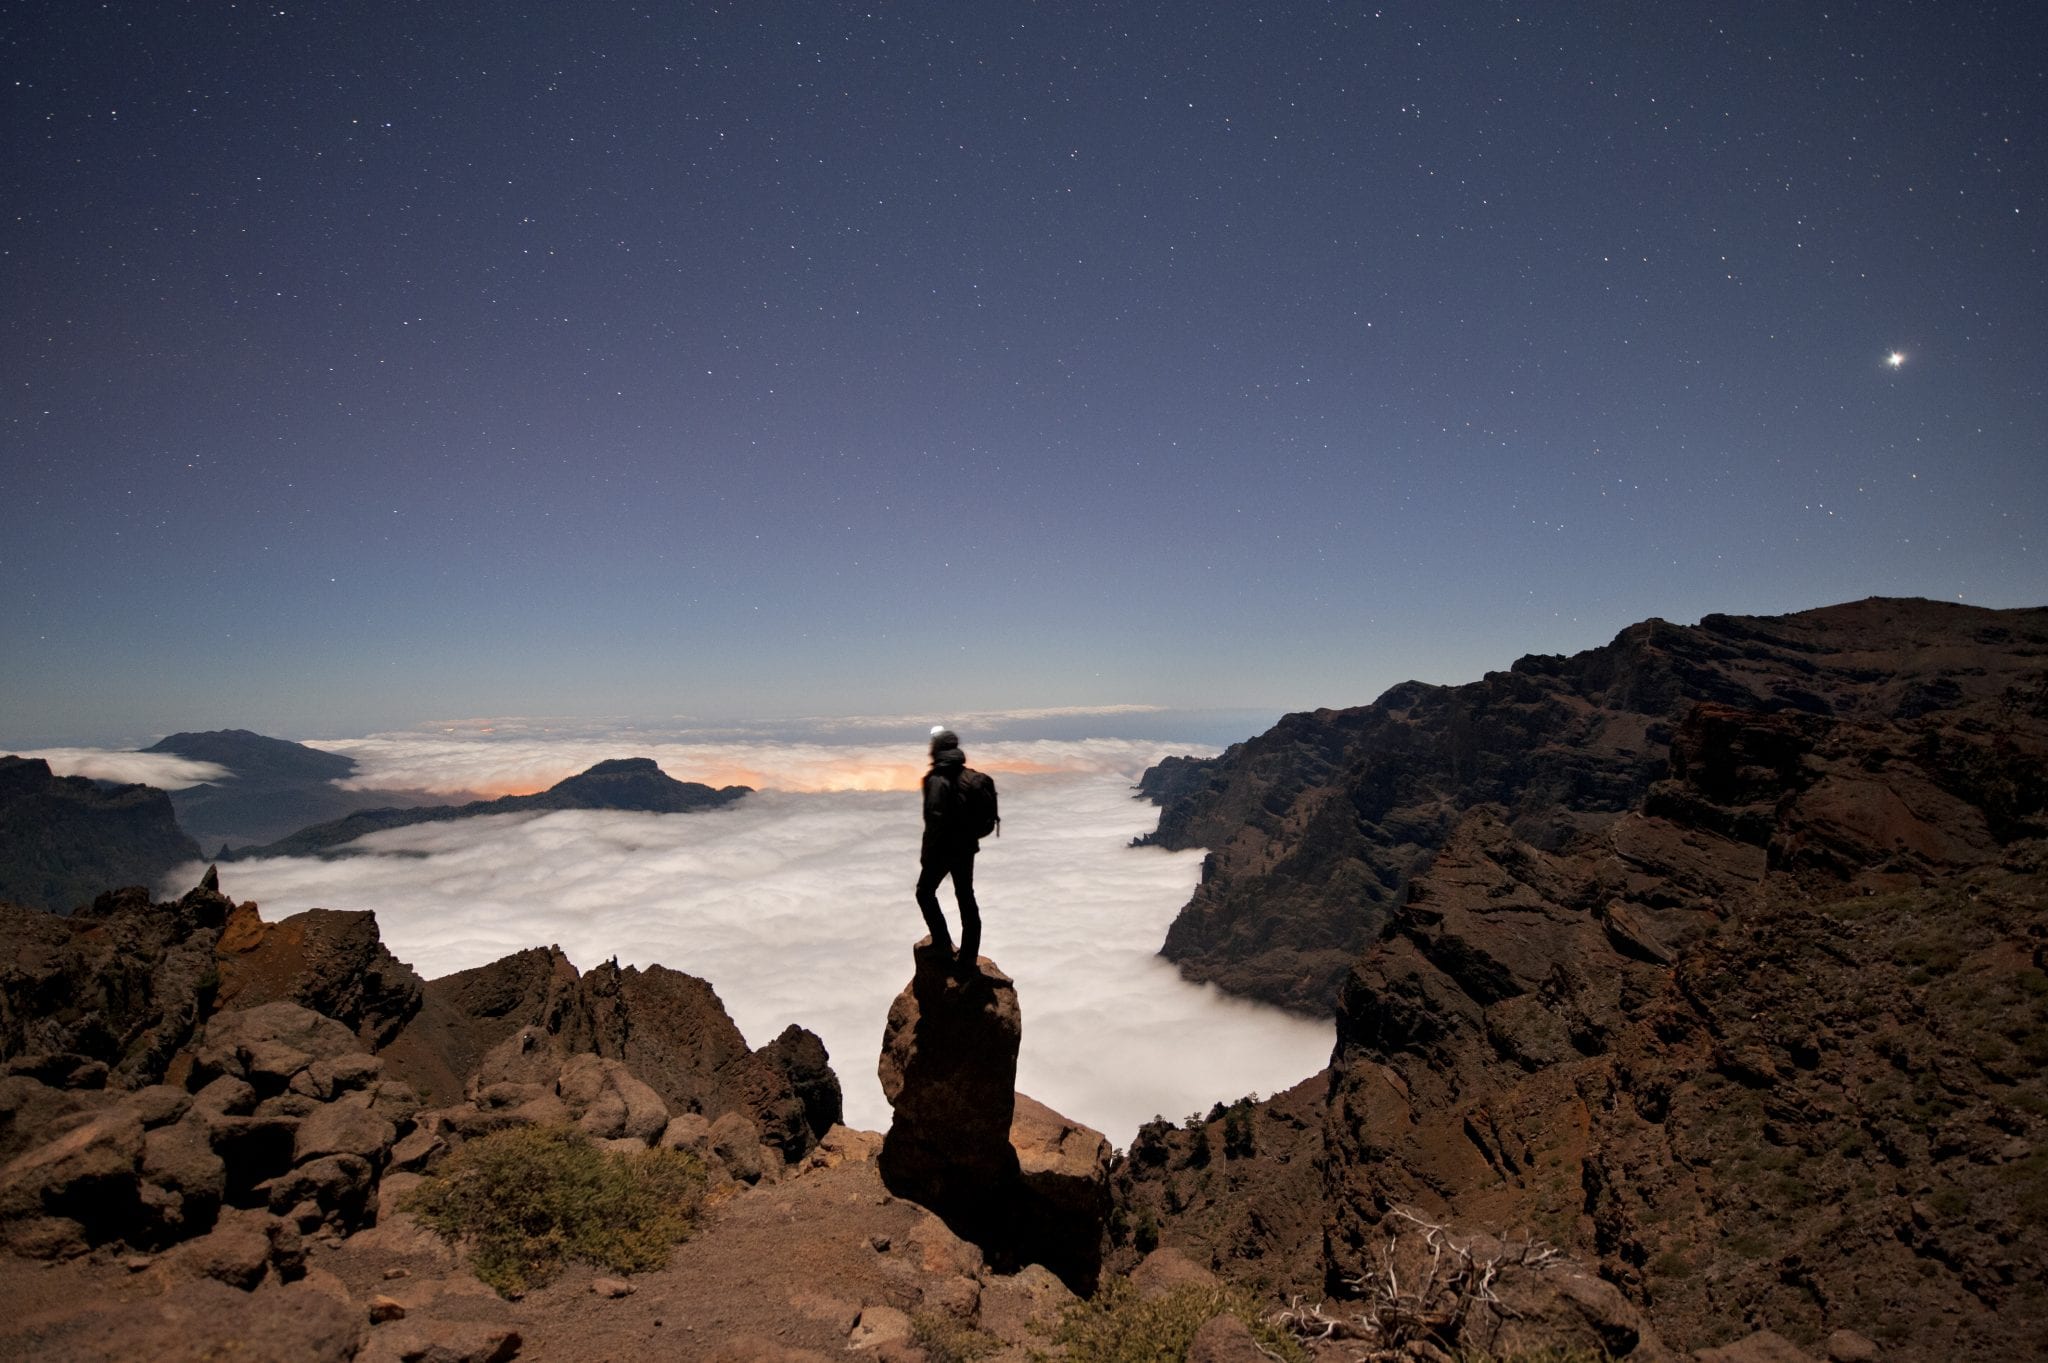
(375, 363)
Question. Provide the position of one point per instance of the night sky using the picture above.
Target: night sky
(374, 363)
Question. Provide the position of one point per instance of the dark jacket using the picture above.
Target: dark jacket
(944, 813)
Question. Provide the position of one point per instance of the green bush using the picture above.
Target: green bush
(528, 1198)
(1116, 1325)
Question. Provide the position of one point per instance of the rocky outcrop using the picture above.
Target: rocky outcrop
(1003, 1170)
(631, 783)
(1764, 1050)
(283, 1116)
(331, 961)
(1062, 1203)
(167, 1083)
(1316, 828)
(109, 994)
(666, 1027)
(64, 840)
(949, 1072)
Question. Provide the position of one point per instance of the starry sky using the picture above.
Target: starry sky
(366, 364)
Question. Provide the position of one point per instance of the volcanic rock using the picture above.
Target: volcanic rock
(1316, 827)
(667, 1029)
(1764, 1050)
(949, 1072)
(1004, 1171)
(122, 983)
(331, 961)
(1062, 1207)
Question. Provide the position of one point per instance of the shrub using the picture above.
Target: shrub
(1116, 1325)
(528, 1198)
(948, 1339)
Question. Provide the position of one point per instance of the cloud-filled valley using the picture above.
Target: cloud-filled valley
(795, 903)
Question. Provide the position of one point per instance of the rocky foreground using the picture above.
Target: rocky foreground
(209, 1126)
(208, 1123)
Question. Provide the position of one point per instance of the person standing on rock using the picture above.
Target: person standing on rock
(959, 811)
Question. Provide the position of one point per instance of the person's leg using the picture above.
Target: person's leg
(970, 911)
(928, 880)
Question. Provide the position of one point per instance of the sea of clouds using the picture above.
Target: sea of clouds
(165, 771)
(795, 902)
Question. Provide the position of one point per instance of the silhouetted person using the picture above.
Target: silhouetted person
(959, 809)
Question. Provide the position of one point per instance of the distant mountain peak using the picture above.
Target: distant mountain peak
(250, 755)
(634, 784)
(625, 766)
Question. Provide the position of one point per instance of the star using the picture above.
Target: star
(1896, 359)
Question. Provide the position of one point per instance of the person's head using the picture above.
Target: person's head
(943, 738)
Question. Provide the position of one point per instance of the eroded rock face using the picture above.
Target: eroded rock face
(122, 983)
(668, 1029)
(330, 961)
(1316, 827)
(1756, 1049)
(1062, 1205)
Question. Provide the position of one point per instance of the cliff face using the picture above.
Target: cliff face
(64, 839)
(1767, 1046)
(1317, 827)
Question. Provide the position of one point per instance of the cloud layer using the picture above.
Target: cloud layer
(796, 905)
(165, 771)
(499, 761)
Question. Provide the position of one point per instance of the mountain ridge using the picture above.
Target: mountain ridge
(1767, 1045)
(1315, 827)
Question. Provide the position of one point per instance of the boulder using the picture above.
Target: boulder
(241, 1249)
(1167, 1268)
(1063, 1201)
(690, 1132)
(337, 1190)
(608, 1102)
(268, 1044)
(184, 1180)
(735, 1142)
(799, 1055)
(1225, 1339)
(87, 1174)
(334, 1129)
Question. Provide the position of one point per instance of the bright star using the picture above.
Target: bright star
(1896, 358)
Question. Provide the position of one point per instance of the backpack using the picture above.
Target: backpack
(978, 804)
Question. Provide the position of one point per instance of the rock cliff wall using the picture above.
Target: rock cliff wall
(1766, 1046)
(1316, 827)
